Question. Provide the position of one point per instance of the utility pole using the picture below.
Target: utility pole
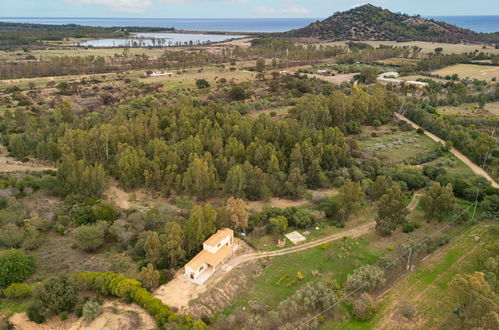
(409, 260)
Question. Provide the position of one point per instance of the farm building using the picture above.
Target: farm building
(392, 78)
(216, 250)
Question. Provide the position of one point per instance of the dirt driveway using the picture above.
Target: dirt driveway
(475, 168)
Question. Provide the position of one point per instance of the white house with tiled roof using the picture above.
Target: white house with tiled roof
(216, 250)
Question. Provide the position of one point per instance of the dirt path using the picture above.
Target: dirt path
(414, 202)
(475, 168)
(354, 232)
(10, 164)
(338, 79)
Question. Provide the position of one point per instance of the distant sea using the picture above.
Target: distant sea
(475, 23)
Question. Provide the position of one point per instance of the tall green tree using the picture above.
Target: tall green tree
(130, 167)
(172, 243)
(199, 178)
(235, 183)
(391, 211)
(438, 201)
(350, 199)
(152, 248)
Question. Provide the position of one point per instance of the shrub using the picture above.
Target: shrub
(282, 278)
(64, 316)
(110, 284)
(407, 310)
(366, 278)
(279, 224)
(15, 267)
(202, 83)
(36, 313)
(299, 276)
(17, 290)
(149, 277)
(363, 307)
(90, 237)
(237, 93)
(420, 130)
(57, 295)
(91, 310)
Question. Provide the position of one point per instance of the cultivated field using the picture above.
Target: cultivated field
(480, 72)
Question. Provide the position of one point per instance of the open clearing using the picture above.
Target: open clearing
(480, 72)
(115, 316)
(430, 46)
(426, 288)
(396, 146)
(471, 109)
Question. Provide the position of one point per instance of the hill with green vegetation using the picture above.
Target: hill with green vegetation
(368, 22)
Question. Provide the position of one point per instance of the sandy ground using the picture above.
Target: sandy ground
(284, 203)
(115, 316)
(338, 79)
(10, 164)
(475, 168)
(180, 290)
(118, 196)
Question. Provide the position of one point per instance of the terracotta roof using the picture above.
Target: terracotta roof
(212, 259)
(216, 238)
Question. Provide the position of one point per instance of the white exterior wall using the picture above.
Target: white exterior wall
(196, 272)
(214, 249)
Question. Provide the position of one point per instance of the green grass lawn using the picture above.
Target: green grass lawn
(337, 260)
(427, 287)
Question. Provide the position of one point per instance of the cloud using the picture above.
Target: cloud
(291, 8)
(117, 6)
(138, 6)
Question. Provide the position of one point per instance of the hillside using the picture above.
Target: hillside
(369, 22)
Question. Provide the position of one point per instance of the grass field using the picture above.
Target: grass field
(472, 109)
(480, 72)
(338, 260)
(395, 146)
(426, 288)
(430, 46)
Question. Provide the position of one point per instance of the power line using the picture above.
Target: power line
(410, 248)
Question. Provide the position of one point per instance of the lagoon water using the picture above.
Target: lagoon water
(152, 39)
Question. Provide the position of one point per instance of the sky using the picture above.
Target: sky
(233, 8)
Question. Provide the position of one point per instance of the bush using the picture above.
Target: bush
(366, 278)
(202, 83)
(237, 93)
(57, 295)
(91, 310)
(110, 284)
(15, 267)
(17, 290)
(36, 313)
(407, 310)
(90, 237)
(363, 307)
(64, 316)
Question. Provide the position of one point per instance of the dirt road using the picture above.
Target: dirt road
(354, 232)
(475, 168)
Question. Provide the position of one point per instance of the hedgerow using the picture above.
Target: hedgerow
(130, 290)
